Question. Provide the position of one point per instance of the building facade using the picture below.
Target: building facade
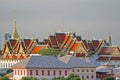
(50, 67)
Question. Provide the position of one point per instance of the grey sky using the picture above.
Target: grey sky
(42, 17)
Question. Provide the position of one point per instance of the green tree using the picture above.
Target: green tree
(28, 78)
(4, 78)
(73, 77)
(62, 54)
(43, 79)
(59, 78)
(9, 71)
(49, 51)
(108, 78)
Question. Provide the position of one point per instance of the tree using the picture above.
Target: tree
(49, 51)
(73, 77)
(43, 79)
(9, 71)
(4, 78)
(108, 78)
(28, 78)
(62, 54)
(59, 78)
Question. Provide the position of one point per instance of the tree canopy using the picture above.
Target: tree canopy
(28, 78)
(108, 78)
(49, 52)
(4, 78)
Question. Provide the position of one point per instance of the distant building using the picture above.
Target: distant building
(50, 67)
(4, 37)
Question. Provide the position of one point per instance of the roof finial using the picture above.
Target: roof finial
(109, 39)
(15, 34)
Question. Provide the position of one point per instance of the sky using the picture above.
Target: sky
(39, 18)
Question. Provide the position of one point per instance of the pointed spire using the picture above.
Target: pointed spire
(109, 39)
(15, 34)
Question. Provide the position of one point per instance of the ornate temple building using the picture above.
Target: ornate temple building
(15, 49)
(72, 44)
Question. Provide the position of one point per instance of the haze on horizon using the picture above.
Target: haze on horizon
(38, 18)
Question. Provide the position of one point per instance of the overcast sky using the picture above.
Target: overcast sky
(38, 18)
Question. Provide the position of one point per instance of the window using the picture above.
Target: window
(82, 77)
(24, 72)
(73, 70)
(91, 70)
(92, 77)
(87, 70)
(18, 72)
(65, 72)
(78, 70)
(42, 72)
(48, 72)
(87, 77)
(15, 72)
(82, 70)
(54, 73)
(36, 72)
(21, 72)
(30, 72)
(59, 72)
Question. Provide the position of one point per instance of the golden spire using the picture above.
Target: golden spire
(15, 34)
(109, 39)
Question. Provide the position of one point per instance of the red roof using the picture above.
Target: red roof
(13, 42)
(53, 40)
(60, 37)
(90, 46)
(104, 58)
(107, 50)
(27, 42)
(96, 43)
(78, 38)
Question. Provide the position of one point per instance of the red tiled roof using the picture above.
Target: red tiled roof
(78, 38)
(85, 43)
(13, 42)
(90, 46)
(27, 42)
(60, 37)
(107, 50)
(115, 58)
(105, 58)
(96, 43)
(53, 40)
(80, 54)
(47, 42)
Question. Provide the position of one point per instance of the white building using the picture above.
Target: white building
(50, 67)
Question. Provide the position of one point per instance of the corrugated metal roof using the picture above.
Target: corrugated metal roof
(75, 61)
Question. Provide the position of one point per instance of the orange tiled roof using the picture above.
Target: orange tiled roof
(71, 44)
(37, 48)
(75, 46)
